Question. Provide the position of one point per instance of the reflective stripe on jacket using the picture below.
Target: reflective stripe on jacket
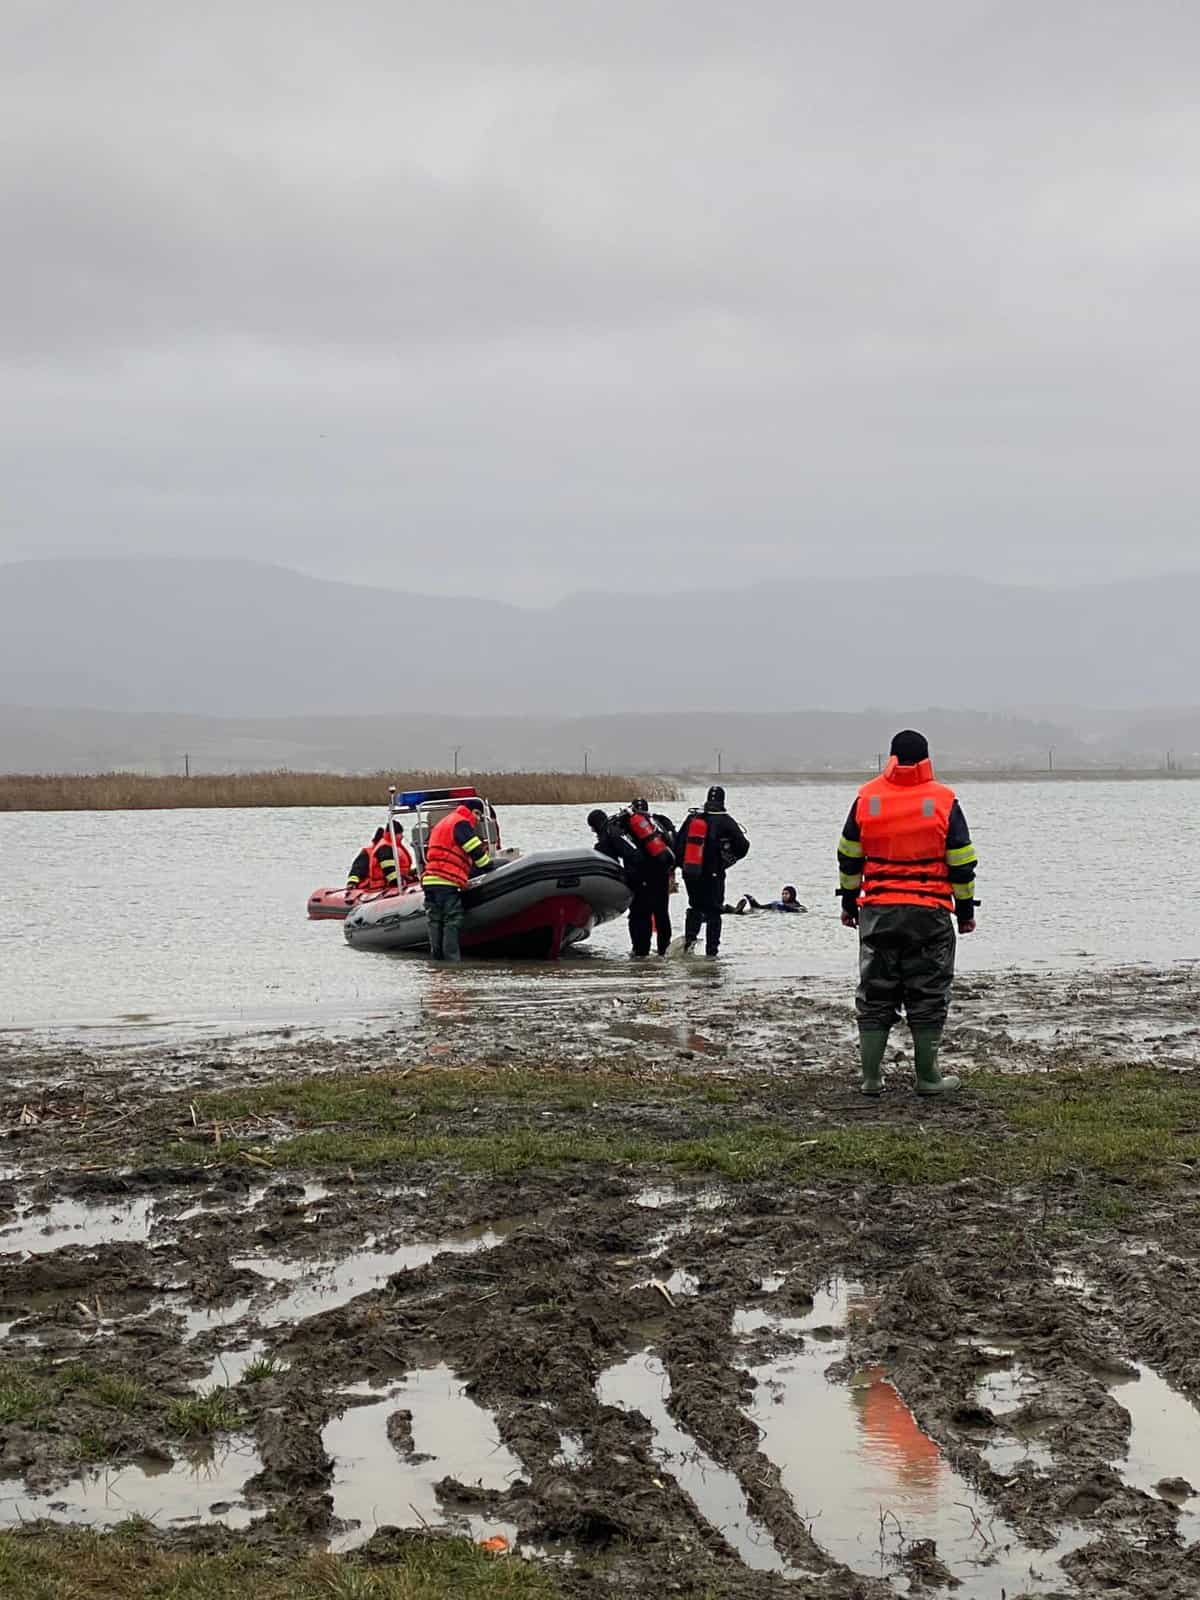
(374, 867)
(454, 848)
(903, 822)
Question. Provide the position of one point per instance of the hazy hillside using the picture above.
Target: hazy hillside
(82, 741)
(240, 639)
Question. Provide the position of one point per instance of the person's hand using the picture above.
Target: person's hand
(967, 925)
(850, 919)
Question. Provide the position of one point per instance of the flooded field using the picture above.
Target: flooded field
(662, 1303)
(606, 1269)
(181, 922)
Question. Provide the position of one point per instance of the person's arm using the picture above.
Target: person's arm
(358, 870)
(850, 865)
(387, 865)
(467, 838)
(961, 861)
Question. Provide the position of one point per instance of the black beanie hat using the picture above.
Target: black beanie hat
(597, 819)
(909, 747)
(715, 799)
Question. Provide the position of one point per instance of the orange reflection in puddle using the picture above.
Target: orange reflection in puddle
(891, 1438)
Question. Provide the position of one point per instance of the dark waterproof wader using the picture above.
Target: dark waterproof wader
(443, 915)
(906, 960)
(651, 903)
(706, 900)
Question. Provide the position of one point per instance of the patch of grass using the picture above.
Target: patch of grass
(120, 1392)
(387, 1099)
(197, 1416)
(263, 1367)
(889, 1155)
(23, 1397)
(39, 1564)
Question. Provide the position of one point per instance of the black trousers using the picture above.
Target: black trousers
(651, 905)
(706, 899)
(906, 959)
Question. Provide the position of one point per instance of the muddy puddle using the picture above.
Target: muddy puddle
(325, 1285)
(641, 1384)
(42, 1229)
(205, 1484)
(389, 1454)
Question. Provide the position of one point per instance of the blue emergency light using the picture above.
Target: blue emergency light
(418, 797)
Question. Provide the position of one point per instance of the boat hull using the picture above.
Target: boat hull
(531, 907)
(330, 905)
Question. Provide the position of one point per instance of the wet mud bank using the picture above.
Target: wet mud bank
(658, 1319)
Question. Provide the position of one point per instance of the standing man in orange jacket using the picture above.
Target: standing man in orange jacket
(906, 862)
(455, 851)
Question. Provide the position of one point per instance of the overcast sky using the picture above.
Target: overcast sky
(603, 293)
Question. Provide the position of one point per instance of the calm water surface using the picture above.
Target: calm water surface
(119, 924)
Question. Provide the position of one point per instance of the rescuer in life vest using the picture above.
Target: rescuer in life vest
(707, 845)
(905, 863)
(377, 866)
(650, 909)
(457, 850)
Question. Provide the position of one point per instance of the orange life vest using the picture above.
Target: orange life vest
(404, 862)
(374, 878)
(649, 837)
(694, 834)
(445, 858)
(903, 819)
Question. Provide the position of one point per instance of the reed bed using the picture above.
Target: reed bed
(138, 791)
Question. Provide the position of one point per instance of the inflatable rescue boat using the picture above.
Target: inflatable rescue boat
(529, 906)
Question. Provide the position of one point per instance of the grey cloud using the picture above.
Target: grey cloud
(620, 288)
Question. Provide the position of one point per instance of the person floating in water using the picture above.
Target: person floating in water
(788, 901)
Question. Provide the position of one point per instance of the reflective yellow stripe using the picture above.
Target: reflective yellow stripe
(849, 881)
(352, 883)
(441, 883)
(964, 891)
(849, 847)
(472, 844)
(964, 856)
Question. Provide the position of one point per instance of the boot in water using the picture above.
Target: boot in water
(872, 1043)
(925, 1053)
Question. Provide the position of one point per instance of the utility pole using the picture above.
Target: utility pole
(1051, 762)
(457, 748)
(879, 761)
(187, 765)
(586, 754)
(718, 754)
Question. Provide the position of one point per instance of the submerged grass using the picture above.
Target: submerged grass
(139, 791)
(39, 1564)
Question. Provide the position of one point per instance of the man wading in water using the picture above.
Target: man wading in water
(905, 862)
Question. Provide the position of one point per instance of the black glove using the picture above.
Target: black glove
(850, 906)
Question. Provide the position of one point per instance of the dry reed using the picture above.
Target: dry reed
(137, 791)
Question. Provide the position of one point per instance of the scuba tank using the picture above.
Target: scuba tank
(648, 836)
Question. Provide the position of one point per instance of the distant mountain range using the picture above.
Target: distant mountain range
(238, 639)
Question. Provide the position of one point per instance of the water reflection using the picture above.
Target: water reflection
(894, 1443)
(205, 953)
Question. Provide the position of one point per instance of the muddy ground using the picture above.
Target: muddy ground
(753, 1380)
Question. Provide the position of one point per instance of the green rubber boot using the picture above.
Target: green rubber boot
(925, 1054)
(872, 1042)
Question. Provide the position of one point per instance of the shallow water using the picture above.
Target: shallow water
(188, 921)
(641, 1384)
(373, 1484)
(324, 1285)
(186, 1491)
